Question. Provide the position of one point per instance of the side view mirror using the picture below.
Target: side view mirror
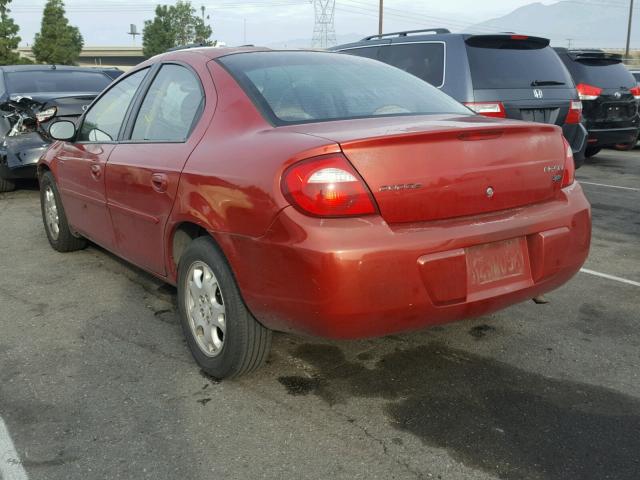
(62, 130)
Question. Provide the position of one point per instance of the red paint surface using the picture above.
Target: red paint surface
(406, 268)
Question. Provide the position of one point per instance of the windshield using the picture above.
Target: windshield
(299, 87)
(65, 81)
(494, 68)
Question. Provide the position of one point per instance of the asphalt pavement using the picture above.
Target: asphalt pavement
(96, 381)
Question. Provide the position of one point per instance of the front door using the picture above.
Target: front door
(143, 172)
(81, 165)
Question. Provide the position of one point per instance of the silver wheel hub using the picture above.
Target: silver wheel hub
(205, 308)
(51, 217)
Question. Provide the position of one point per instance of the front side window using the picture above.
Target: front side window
(171, 106)
(302, 87)
(102, 123)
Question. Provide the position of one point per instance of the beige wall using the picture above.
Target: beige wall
(121, 57)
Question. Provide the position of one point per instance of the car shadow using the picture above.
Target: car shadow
(489, 415)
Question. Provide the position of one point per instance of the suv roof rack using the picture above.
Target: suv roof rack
(406, 33)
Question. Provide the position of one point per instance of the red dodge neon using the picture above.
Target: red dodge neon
(315, 193)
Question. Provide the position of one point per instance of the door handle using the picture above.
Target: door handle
(159, 182)
(96, 171)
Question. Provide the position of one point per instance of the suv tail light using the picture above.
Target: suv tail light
(635, 91)
(575, 112)
(488, 109)
(569, 174)
(588, 92)
(327, 186)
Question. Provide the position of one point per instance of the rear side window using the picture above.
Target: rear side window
(171, 106)
(424, 60)
(496, 68)
(299, 87)
(601, 73)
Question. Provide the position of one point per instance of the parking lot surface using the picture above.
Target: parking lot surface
(96, 381)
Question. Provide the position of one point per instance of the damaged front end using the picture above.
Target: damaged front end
(22, 138)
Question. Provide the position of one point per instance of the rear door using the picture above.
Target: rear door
(143, 172)
(522, 73)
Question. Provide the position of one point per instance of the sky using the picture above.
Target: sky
(263, 22)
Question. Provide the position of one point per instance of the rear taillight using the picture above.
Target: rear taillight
(635, 91)
(569, 173)
(327, 186)
(575, 112)
(488, 109)
(47, 114)
(588, 92)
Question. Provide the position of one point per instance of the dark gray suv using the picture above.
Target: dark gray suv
(498, 75)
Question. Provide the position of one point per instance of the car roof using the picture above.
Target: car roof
(209, 52)
(433, 34)
(48, 68)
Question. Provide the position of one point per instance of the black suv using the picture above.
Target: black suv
(609, 94)
(31, 96)
(501, 75)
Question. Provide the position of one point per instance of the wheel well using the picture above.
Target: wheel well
(42, 169)
(182, 237)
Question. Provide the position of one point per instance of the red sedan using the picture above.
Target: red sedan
(315, 193)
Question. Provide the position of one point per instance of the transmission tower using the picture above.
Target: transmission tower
(324, 32)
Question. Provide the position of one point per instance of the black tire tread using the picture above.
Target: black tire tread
(254, 340)
(7, 185)
(66, 241)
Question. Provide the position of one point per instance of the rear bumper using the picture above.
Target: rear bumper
(19, 155)
(352, 278)
(576, 135)
(612, 136)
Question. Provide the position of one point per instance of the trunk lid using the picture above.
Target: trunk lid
(439, 167)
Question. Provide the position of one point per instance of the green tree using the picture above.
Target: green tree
(174, 25)
(9, 38)
(57, 42)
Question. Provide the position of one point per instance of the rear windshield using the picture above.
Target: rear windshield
(601, 73)
(301, 87)
(495, 68)
(55, 81)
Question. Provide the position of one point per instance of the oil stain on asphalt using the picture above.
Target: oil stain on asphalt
(489, 415)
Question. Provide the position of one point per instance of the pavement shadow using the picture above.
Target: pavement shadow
(489, 415)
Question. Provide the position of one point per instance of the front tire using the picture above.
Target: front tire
(224, 338)
(55, 222)
(7, 185)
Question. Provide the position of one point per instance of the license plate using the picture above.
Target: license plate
(493, 262)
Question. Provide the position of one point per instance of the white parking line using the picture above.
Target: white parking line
(610, 186)
(610, 277)
(10, 464)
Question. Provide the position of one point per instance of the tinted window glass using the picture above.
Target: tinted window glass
(102, 123)
(296, 87)
(368, 52)
(603, 74)
(170, 107)
(516, 68)
(424, 60)
(56, 81)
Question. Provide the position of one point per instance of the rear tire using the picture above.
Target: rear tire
(591, 151)
(224, 338)
(7, 185)
(55, 222)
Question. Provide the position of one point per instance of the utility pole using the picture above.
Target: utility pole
(380, 12)
(324, 32)
(569, 40)
(626, 51)
(244, 31)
